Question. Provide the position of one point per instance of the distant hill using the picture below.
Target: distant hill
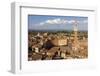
(55, 30)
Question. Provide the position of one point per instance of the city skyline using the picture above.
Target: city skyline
(47, 22)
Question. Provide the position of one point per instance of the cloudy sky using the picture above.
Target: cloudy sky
(41, 22)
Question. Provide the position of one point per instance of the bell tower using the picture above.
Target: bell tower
(76, 44)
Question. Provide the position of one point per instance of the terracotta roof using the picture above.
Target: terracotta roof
(36, 57)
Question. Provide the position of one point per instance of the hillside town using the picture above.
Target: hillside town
(48, 45)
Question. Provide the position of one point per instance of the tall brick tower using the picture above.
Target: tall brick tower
(76, 43)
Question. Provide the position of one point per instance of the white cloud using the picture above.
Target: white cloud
(60, 21)
(71, 21)
(85, 21)
(55, 21)
(42, 23)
